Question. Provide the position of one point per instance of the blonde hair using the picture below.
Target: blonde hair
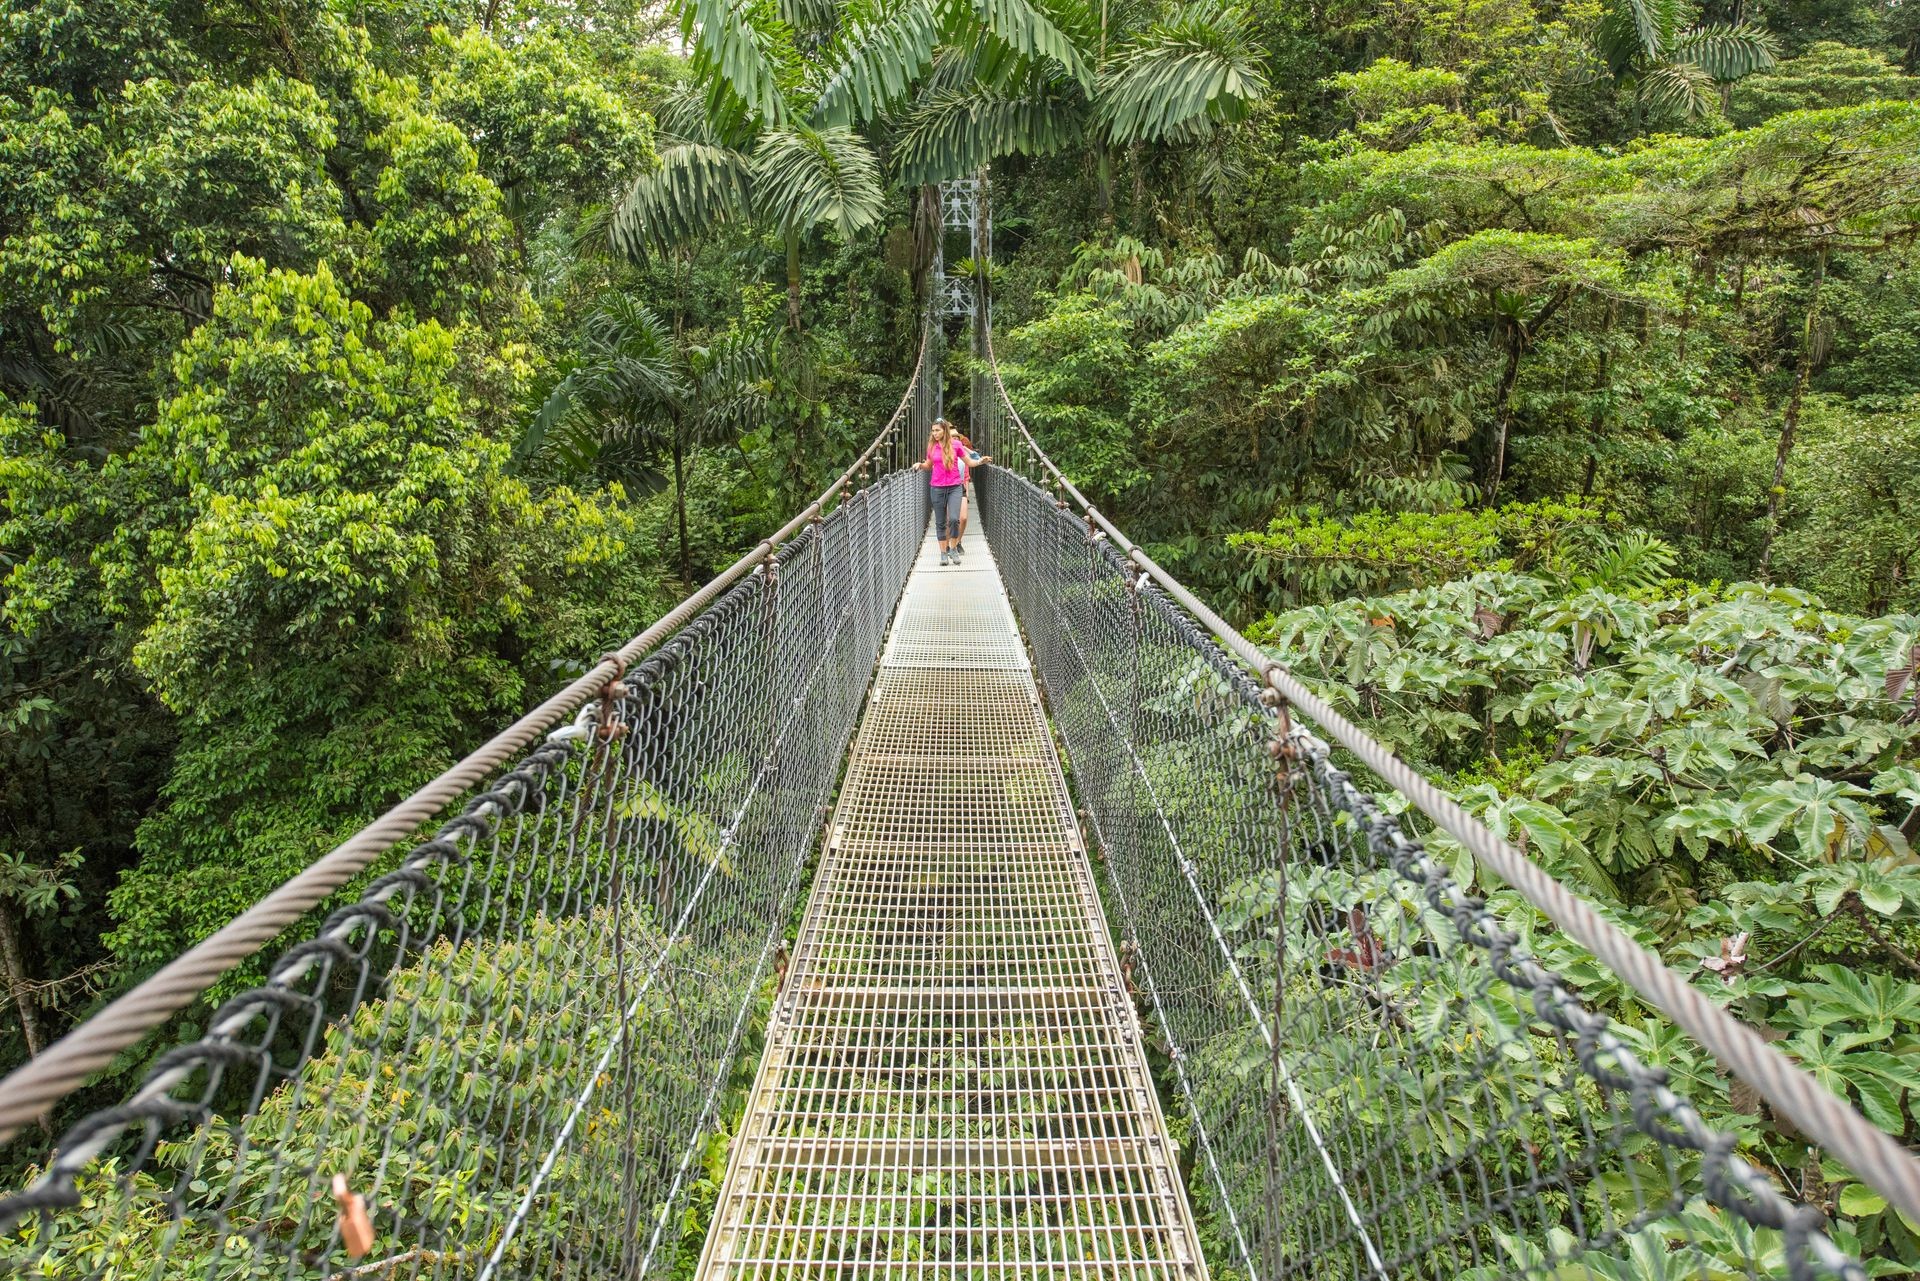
(942, 434)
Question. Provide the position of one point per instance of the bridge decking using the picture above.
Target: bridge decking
(953, 1084)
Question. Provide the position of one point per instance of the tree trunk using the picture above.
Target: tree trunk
(1600, 384)
(1519, 337)
(1790, 421)
(1686, 315)
(19, 981)
(927, 233)
(1103, 185)
(1516, 343)
(680, 499)
(793, 280)
(1139, 190)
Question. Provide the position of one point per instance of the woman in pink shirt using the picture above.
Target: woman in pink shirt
(947, 467)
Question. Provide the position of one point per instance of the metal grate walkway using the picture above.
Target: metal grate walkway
(954, 1085)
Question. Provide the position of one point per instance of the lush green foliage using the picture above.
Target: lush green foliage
(1729, 772)
(363, 368)
(280, 295)
(504, 1086)
(1578, 343)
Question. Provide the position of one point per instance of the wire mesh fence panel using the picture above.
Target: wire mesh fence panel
(510, 1055)
(1377, 1078)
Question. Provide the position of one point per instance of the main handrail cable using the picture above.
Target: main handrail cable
(1876, 1157)
(31, 1089)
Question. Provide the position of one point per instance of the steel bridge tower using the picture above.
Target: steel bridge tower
(961, 301)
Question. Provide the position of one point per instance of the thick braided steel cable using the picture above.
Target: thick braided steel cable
(1876, 1157)
(30, 1090)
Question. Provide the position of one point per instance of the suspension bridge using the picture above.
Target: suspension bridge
(867, 917)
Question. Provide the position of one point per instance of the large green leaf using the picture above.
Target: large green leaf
(1825, 816)
(1181, 76)
(804, 177)
(951, 134)
(879, 52)
(696, 187)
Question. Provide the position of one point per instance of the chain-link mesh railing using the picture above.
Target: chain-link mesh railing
(511, 1055)
(1379, 1078)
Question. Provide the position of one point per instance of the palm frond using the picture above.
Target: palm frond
(624, 327)
(1725, 51)
(804, 177)
(952, 133)
(955, 68)
(878, 53)
(1616, 39)
(731, 379)
(60, 396)
(732, 359)
(812, 17)
(697, 186)
(1028, 30)
(1654, 24)
(560, 403)
(625, 377)
(1180, 77)
(1678, 86)
(682, 116)
(744, 52)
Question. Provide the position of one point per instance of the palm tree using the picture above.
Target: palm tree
(955, 84)
(1167, 75)
(1671, 66)
(638, 390)
(772, 140)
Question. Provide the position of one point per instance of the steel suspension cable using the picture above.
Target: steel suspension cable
(1880, 1161)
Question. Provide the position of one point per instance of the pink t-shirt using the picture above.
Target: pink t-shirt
(942, 474)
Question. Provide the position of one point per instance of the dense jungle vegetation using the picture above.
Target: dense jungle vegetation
(1539, 377)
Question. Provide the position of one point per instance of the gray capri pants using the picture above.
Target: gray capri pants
(946, 509)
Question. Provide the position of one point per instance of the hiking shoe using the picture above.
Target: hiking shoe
(957, 549)
(943, 558)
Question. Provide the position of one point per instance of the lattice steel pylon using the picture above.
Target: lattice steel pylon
(965, 215)
(962, 211)
(954, 1084)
